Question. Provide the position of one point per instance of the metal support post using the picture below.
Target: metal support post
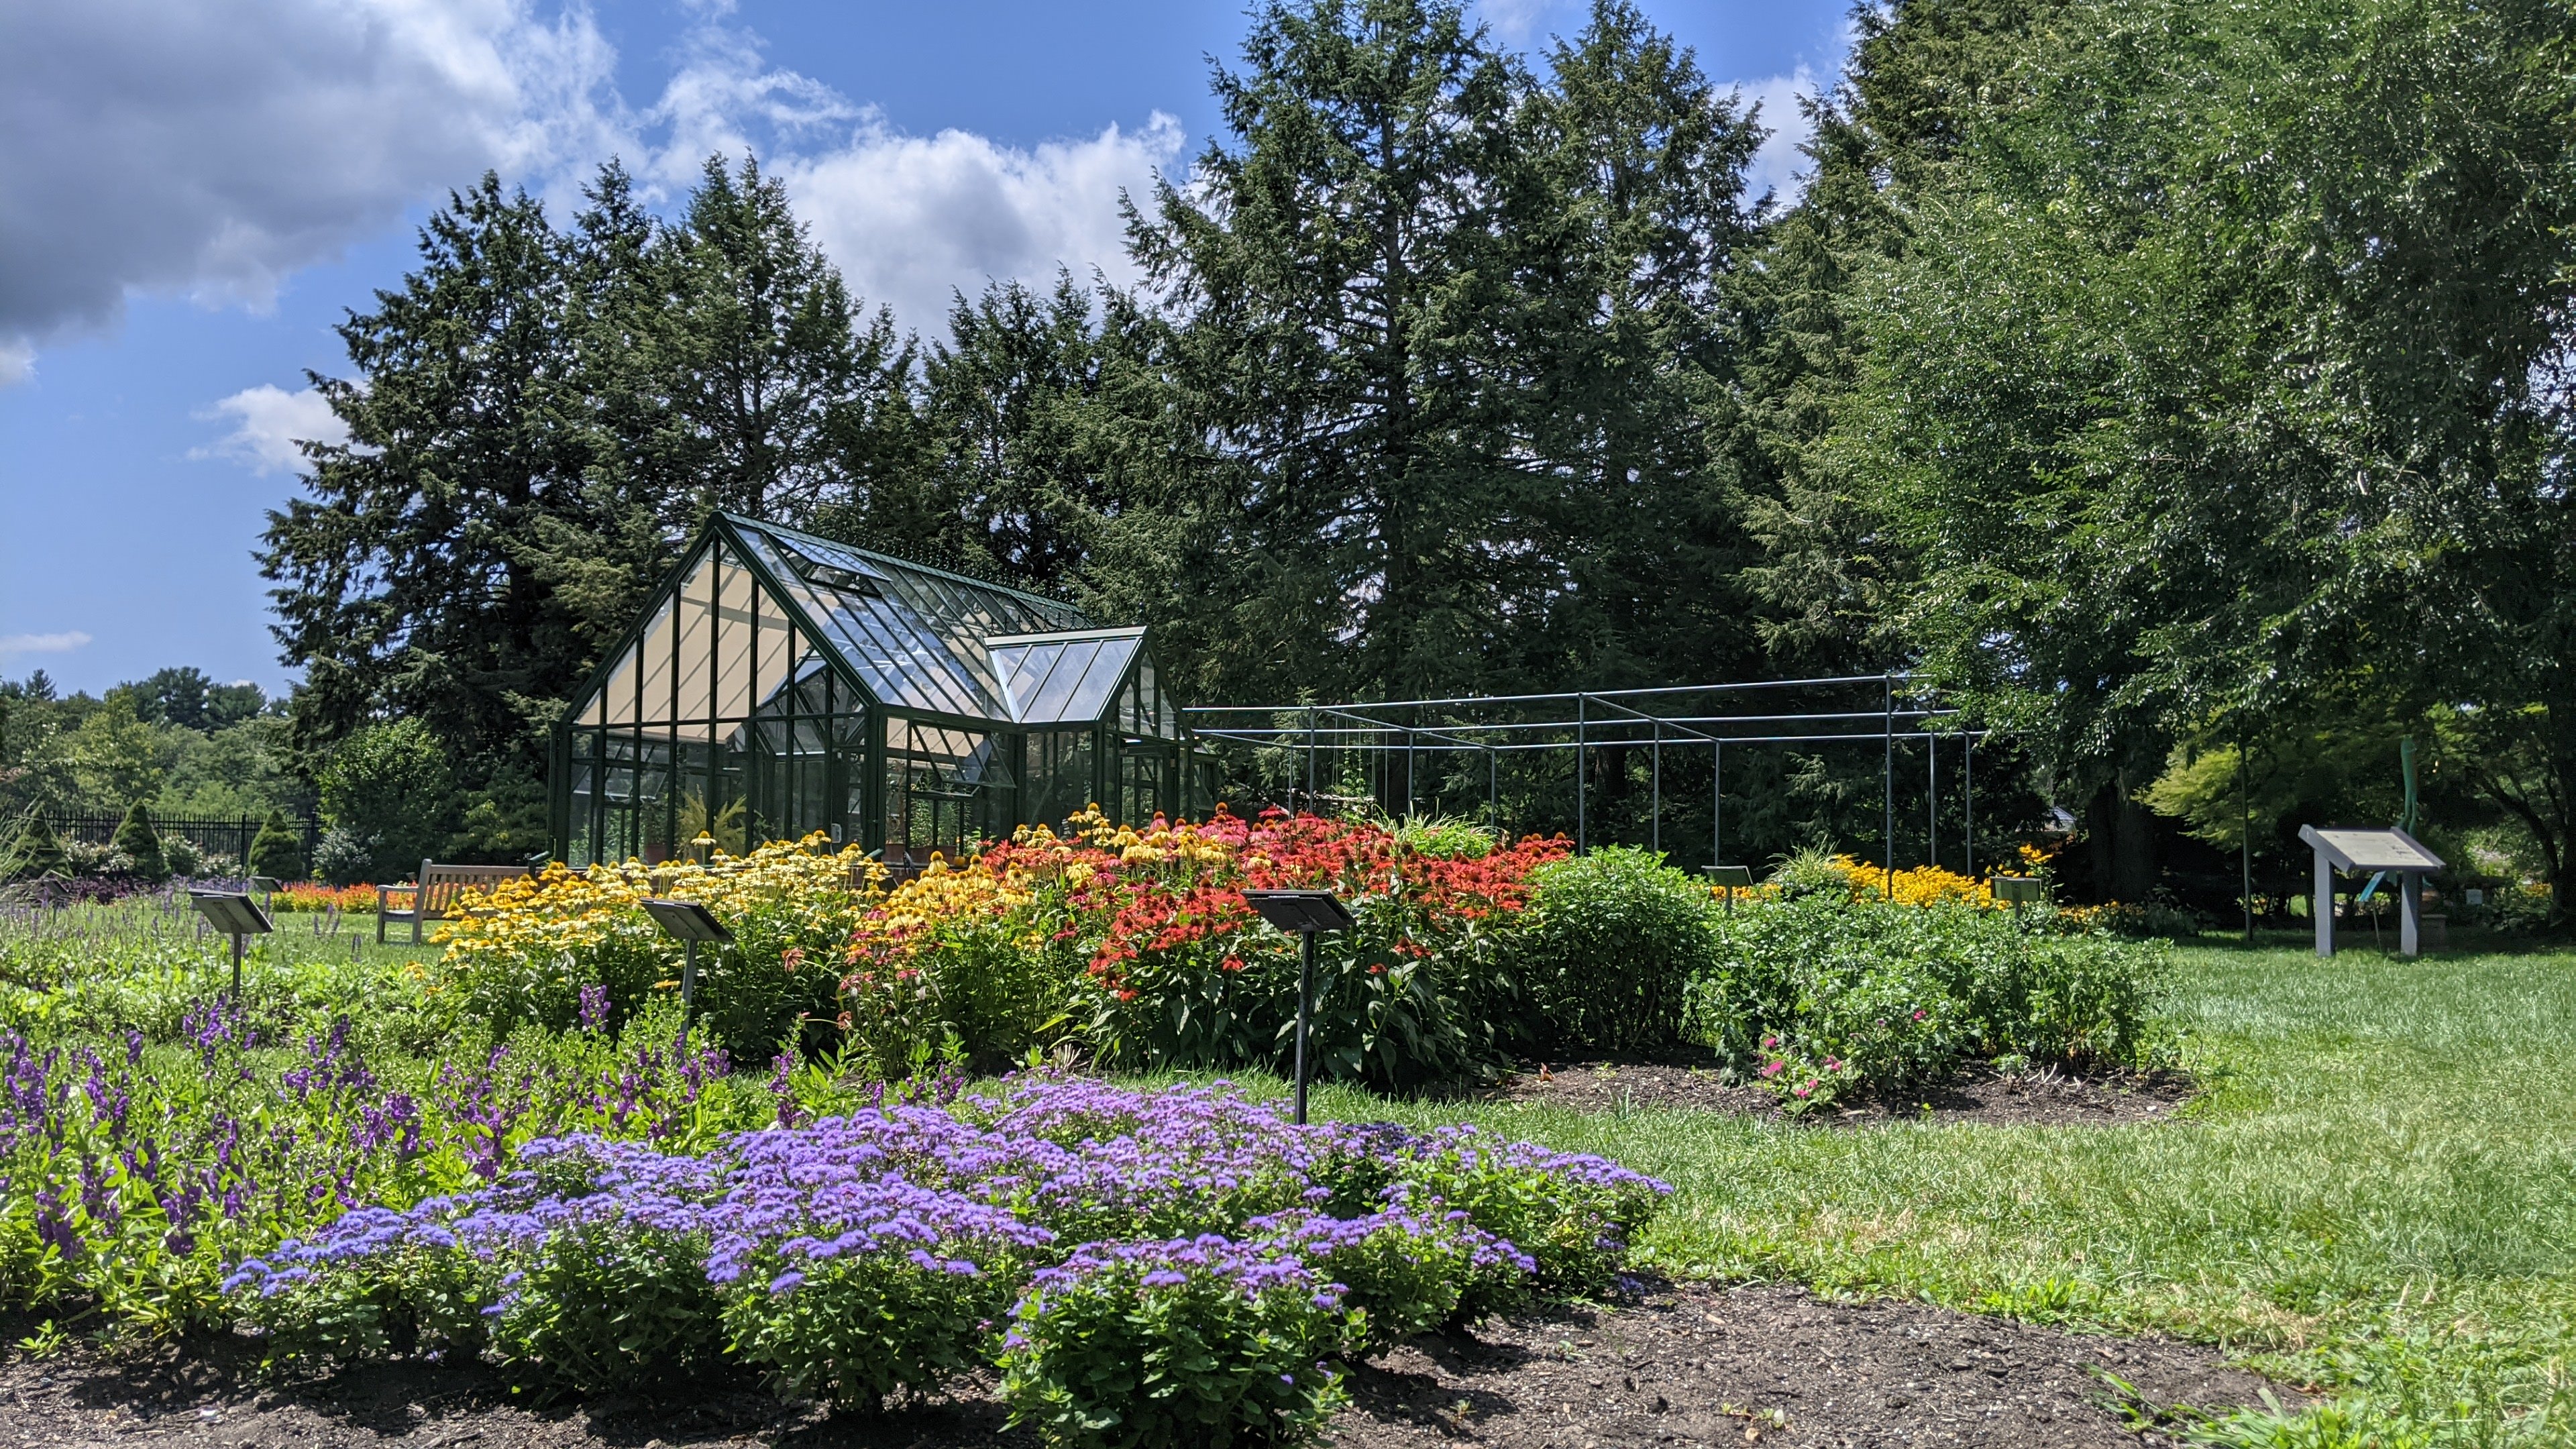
(2410, 912)
(1310, 761)
(1968, 797)
(1305, 999)
(1932, 800)
(1717, 804)
(1887, 785)
(1655, 788)
(688, 987)
(2324, 907)
(1582, 774)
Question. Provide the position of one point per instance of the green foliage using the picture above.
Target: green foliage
(1113, 1360)
(1611, 942)
(1820, 995)
(612, 1306)
(140, 844)
(388, 787)
(853, 1329)
(2216, 387)
(277, 851)
(36, 853)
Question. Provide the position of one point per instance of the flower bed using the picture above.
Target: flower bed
(1141, 942)
(1144, 1268)
(526, 952)
(1828, 984)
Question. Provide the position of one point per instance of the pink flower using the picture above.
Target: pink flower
(1799, 1090)
(1919, 1013)
(1773, 1069)
(1833, 1064)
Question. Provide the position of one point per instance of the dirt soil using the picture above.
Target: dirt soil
(1977, 1094)
(1682, 1366)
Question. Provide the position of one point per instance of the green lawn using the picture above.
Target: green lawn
(2376, 1194)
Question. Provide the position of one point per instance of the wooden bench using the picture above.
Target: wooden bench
(434, 895)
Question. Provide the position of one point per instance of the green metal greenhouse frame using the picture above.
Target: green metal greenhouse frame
(780, 684)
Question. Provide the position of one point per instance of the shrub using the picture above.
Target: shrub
(181, 856)
(871, 1283)
(1407, 1273)
(276, 851)
(388, 786)
(1611, 942)
(1571, 1214)
(1176, 1345)
(343, 857)
(1819, 993)
(140, 844)
(38, 852)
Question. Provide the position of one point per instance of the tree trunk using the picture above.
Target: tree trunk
(2124, 845)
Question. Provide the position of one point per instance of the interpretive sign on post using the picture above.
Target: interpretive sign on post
(1305, 913)
(236, 915)
(2390, 850)
(688, 923)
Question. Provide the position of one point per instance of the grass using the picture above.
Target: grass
(2376, 1196)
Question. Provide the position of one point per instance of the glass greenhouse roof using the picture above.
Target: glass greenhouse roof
(748, 613)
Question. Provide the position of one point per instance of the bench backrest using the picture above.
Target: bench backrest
(440, 885)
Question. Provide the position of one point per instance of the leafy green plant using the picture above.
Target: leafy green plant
(1817, 994)
(853, 1328)
(612, 1306)
(1610, 944)
(1175, 1346)
(36, 853)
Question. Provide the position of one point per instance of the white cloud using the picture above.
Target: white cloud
(909, 218)
(12, 645)
(1777, 165)
(211, 149)
(269, 422)
(1515, 20)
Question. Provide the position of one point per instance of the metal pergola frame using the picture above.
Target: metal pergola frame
(1633, 717)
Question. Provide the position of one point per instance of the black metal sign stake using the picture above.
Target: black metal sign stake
(236, 915)
(688, 923)
(1305, 913)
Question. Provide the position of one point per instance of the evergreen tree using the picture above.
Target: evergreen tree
(1448, 339)
(772, 395)
(277, 851)
(139, 842)
(38, 852)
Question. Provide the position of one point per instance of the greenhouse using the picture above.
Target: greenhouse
(779, 684)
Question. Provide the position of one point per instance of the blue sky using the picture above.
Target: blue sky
(192, 192)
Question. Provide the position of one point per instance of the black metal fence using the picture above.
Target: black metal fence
(230, 837)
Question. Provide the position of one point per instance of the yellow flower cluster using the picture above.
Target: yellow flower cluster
(1923, 885)
(940, 894)
(563, 910)
(1155, 844)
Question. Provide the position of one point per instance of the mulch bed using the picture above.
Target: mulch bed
(1976, 1094)
(1685, 1365)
